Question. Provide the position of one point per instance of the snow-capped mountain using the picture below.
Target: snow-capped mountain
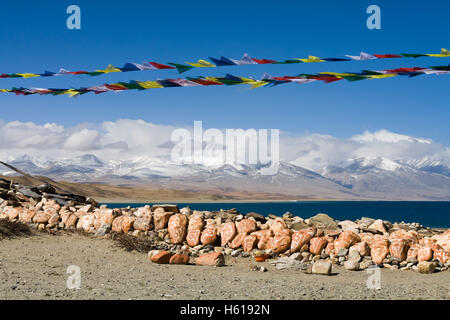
(364, 178)
(384, 178)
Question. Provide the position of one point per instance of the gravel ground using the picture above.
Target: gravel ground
(36, 268)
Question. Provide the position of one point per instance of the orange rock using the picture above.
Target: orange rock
(261, 258)
(399, 249)
(427, 242)
(54, 220)
(196, 222)
(300, 238)
(227, 232)
(441, 255)
(362, 247)
(179, 258)
(117, 224)
(209, 235)
(86, 222)
(379, 226)
(443, 240)
(329, 249)
(107, 217)
(282, 241)
(246, 226)
(238, 240)
(250, 242)
(65, 215)
(145, 210)
(424, 254)
(412, 237)
(178, 228)
(277, 225)
(144, 221)
(162, 257)
(194, 230)
(332, 233)
(263, 233)
(435, 247)
(41, 217)
(366, 237)
(12, 212)
(413, 251)
(265, 243)
(161, 218)
(193, 237)
(345, 240)
(317, 244)
(26, 215)
(379, 249)
(211, 259)
(127, 223)
(71, 221)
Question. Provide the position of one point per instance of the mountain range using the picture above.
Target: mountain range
(359, 179)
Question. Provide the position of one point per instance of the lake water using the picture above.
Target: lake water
(429, 214)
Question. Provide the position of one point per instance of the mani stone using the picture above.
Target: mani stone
(323, 221)
(167, 207)
(104, 228)
(161, 257)
(215, 259)
(351, 265)
(321, 267)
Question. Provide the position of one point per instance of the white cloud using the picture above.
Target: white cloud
(387, 136)
(315, 151)
(125, 139)
(84, 140)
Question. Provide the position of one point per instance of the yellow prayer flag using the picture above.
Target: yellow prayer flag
(311, 59)
(109, 69)
(72, 92)
(339, 75)
(201, 63)
(444, 53)
(28, 75)
(380, 76)
(257, 83)
(150, 84)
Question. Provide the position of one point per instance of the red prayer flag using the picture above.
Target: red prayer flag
(384, 56)
(263, 61)
(326, 79)
(161, 66)
(77, 72)
(400, 70)
(115, 87)
(204, 82)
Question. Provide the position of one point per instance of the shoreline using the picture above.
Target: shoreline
(194, 201)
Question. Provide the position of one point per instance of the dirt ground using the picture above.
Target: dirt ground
(36, 268)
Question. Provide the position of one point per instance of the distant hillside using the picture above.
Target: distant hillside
(114, 193)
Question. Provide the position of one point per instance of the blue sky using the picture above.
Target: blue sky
(34, 38)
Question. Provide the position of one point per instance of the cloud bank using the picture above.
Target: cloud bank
(126, 138)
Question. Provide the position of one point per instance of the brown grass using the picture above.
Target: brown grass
(14, 229)
(132, 243)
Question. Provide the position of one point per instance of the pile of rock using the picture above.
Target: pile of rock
(210, 235)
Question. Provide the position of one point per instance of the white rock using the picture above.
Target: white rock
(321, 267)
(351, 265)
